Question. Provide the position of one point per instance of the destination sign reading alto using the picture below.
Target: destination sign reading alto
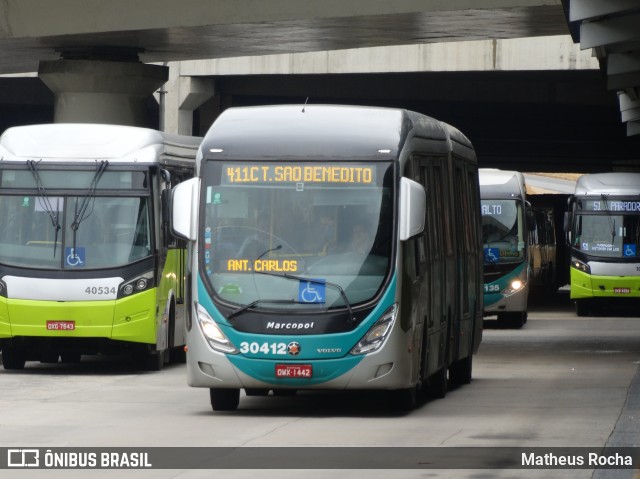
(613, 205)
(308, 173)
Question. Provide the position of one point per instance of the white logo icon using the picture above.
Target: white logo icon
(23, 458)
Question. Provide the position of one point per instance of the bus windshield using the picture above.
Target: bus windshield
(113, 231)
(295, 234)
(502, 231)
(611, 236)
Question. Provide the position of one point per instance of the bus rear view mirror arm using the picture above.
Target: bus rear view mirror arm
(413, 205)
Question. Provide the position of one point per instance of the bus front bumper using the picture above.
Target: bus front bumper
(584, 285)
(128, 319)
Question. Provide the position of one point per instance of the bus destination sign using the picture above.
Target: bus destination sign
(622, 206)
(308, 173)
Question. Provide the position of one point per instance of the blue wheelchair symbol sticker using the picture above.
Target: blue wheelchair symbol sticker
(629, 250)
(491, 255)
(74, 257)
(312, 291)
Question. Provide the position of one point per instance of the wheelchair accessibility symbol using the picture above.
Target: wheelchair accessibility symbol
(491, 255)
(74, 257)
(629, 250)
(312, 291)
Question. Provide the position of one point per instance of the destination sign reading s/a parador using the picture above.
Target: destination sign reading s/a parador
(307, 173)
(613, 205)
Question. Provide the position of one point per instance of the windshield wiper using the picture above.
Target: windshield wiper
(612, 221)
(79, 214)
(352, 318)
(44, 201)
(244, 308)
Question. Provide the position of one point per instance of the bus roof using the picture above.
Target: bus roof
(322, 131)
(85, 141)
(501, 183)
(617, 183)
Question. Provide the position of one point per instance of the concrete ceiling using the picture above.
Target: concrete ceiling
(171, 30)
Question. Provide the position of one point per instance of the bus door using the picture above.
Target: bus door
(435, 242)
(465, 264)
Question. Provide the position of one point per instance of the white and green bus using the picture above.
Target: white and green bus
(603, 231)
(87, 261)
(334, 247)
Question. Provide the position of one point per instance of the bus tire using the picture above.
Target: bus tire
(439, 383)
(512, 319)
(582, 307)
(460, 371)
(403, 400)
(224, 399)
(518, 319)
(13, 357)
(154, 361)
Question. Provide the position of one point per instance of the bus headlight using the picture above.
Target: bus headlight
(376, 336)
(136, 285)
(580, 265)
(3, 288)
(515, 286)
(212, 332)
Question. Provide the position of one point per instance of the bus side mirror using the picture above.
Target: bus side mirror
(566, 226)
(413, 208)
(184, 209)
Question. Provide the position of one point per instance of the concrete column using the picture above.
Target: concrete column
(194, 91)
(182, 96)
(90, 91)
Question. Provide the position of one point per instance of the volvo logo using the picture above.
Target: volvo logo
(293, 348)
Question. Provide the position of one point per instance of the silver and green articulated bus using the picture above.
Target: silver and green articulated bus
(332, 247)
(87, 261)
(505, 237)
(603, 231)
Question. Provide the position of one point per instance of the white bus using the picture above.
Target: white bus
(87, 261)
(603, 230)
(333, 247)
(505, 236)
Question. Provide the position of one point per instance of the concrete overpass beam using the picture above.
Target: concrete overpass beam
(89, 91)
(183, 95)
(629, 107)
(587, 9)
(609, 31)
(193, 92)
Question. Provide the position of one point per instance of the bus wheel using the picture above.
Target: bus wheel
(13, 357)
(224, 399)
(460, 371)
(582, 307)
(439, 383)
(403, 399)
(518, 319)
(155, 360)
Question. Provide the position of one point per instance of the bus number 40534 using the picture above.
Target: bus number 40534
(100, 290)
